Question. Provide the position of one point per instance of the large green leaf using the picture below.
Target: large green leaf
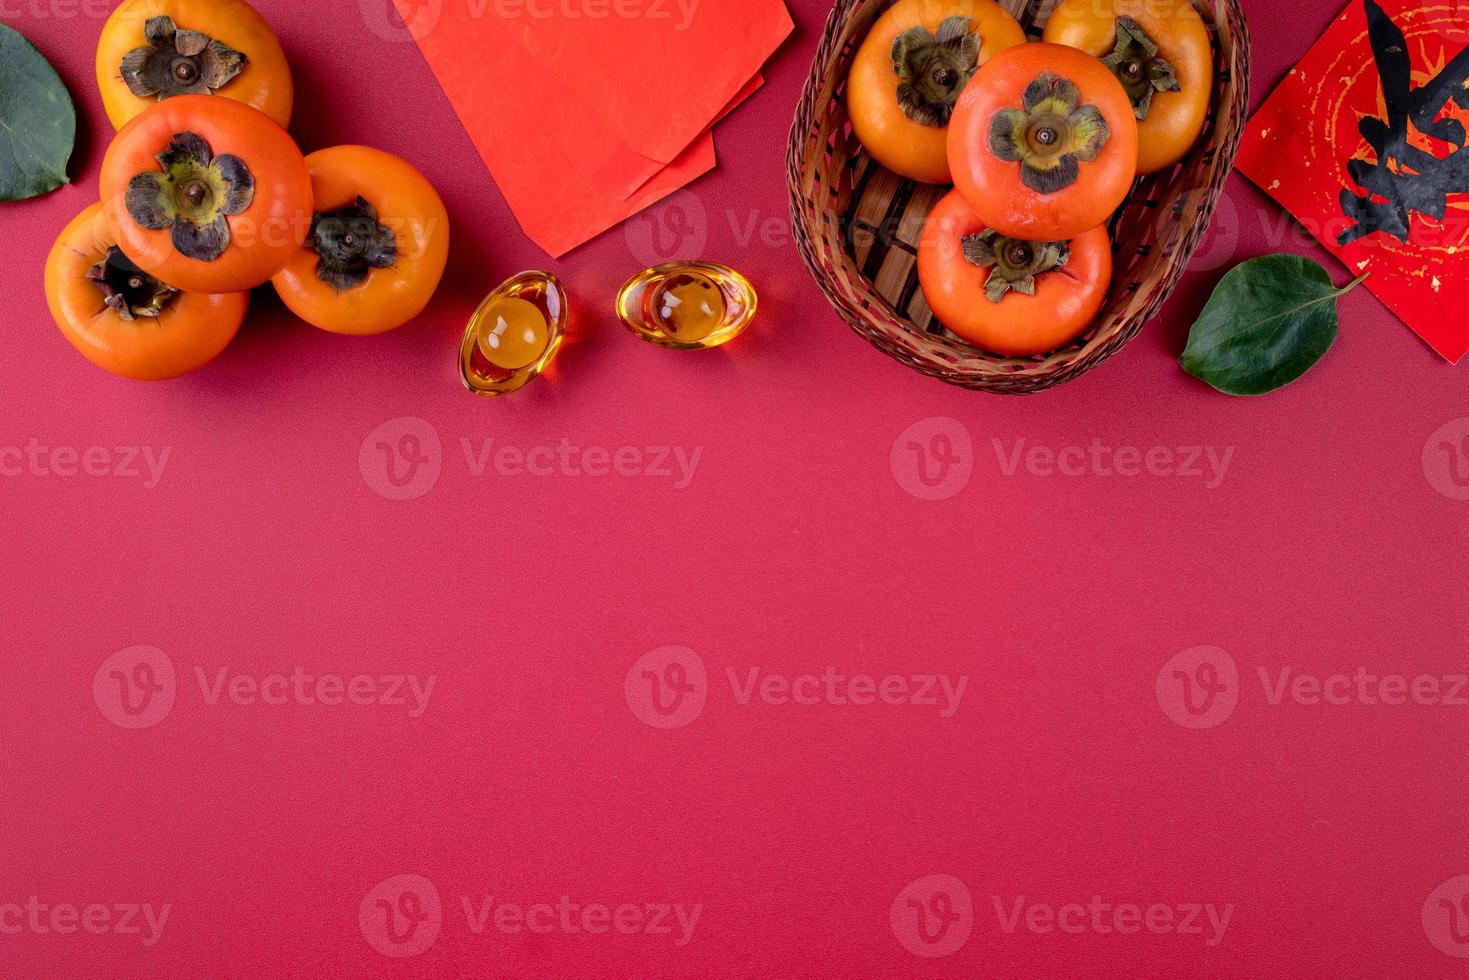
(1270, 319)
(38, 123)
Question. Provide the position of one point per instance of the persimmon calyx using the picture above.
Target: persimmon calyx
(1051, 135)
(128, 290)
(350, 244)
(179, 62)
(1016, 263)
(1137, 66)
(934, 68)
(194, 194)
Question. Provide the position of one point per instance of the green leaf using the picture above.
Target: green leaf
(38, 122)
(1270, 319)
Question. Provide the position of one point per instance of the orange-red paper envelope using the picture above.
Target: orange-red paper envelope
(594, 148)
(1364, 142)
(493, 85)
(600, 155)
(658, 72)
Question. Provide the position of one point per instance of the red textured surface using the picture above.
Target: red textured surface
(1335, 539)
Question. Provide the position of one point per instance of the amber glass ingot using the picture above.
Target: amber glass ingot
(513, 335)
(687, 305)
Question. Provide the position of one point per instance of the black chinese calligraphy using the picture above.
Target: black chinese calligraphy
(1404, 177)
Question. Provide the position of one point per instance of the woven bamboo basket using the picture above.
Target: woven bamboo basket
(858, 225)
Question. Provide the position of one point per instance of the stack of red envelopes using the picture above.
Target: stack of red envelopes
(588, 111)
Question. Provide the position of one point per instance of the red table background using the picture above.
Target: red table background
(1334, 540)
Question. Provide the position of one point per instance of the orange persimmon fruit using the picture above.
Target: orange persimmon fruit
(1007, 295)
(1159, 51)
(909, 72)
(377, 245)
(209, 195)
(1043, 142)
(152, 50)
(125, 321)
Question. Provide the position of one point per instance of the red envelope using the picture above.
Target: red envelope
(1364, 143)
(656, 71)
(500, 95)
(600, 155)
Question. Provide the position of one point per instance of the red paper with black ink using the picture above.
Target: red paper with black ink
(1363, 143)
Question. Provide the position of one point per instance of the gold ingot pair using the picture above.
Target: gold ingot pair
(518, 329)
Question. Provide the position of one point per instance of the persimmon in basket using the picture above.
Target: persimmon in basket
(910, 71)
(1007, 295)
(1043, 143)
(1159, 51)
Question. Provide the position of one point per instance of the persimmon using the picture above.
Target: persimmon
(152, 50)
(124, 320)
(377, 246)
(207, 194)
(1043, 143)
(1007, 295)
(1159, 51)
(909, 72)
